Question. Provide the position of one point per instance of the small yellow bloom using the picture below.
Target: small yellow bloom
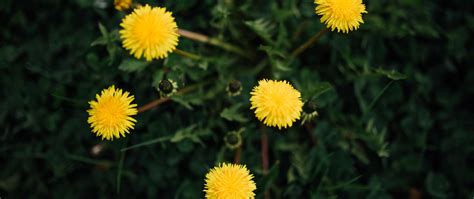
(276, 103)
(149, 32)
(110, 114)
(122, 4)
(343, 15)
(229, 181)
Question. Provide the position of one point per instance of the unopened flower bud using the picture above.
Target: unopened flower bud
(167, 87)
(309, 111)
(233, 139)
(234, 88)
(309, 106)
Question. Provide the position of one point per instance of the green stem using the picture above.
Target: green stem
(150, 142)
(311, 41)
(120, 169)
(376, 99)
(187, 54)
(213, 41)
(230, 47)
(86, 159)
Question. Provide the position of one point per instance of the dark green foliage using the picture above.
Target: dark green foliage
(395, 101)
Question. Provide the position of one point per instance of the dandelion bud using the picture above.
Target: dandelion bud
(167, 87)
(234, 88)
(309, 106)
(233, 139)
(309, 111)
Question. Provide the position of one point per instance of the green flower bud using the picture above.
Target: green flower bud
(309, 111)
(233, 140)
(167, 87)
(234, 88)
(309, 107)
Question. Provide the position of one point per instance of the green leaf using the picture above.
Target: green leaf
(277, 58)
(232, 113)
(181, 100)
(132, 65)
(188, 100)
(437, 185)
(191, 133)
(146, 143)
(103, 31)
(99, 41)
(267, 180)
(394, 75)
(183, 133)
(320, 88)
(263, 27)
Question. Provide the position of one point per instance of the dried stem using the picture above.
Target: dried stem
(309, 43)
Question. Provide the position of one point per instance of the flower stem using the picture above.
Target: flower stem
(264, 143)
(265, 162)
(187, 54)
(120, 170)
(213, 41)
(311, 41)
(237, 155)
(159, 101)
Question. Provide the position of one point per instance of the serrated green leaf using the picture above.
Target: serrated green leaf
(232, 113)
(183, 133)
(191, 133)
(263, 27)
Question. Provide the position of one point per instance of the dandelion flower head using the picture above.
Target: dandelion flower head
(276, 103)
(150, 32)
(110, 113)
(229, 181)
(343, 15)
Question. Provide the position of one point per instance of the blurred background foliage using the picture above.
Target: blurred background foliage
(395, 101)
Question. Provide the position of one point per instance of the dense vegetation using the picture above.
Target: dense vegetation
(395, 101)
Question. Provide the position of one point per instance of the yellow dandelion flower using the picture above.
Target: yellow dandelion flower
(149, 32)
(110, 114)
(229, 181)
(122, 4)
(343, 15)
(276, 103)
